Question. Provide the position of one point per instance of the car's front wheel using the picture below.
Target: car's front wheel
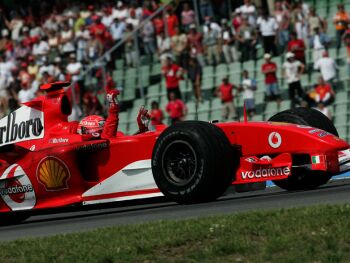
(194, 161)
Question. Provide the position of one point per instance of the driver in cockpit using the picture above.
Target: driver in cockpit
(95, 126)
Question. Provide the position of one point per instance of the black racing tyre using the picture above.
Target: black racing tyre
(302, 179)
(193, 161)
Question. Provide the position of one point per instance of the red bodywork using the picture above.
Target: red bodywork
(63, 168)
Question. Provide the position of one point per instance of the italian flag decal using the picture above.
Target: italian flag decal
(316, 159)
(318, 162)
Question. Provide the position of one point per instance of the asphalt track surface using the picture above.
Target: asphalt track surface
(59, 222)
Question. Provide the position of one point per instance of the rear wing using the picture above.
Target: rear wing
(24, 124)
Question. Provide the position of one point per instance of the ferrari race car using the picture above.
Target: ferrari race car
(45, 163)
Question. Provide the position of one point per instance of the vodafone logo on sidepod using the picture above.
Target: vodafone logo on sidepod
(275, 140)
(18, 193)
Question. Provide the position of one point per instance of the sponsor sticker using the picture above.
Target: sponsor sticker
(16, 189)
(53, 173)
(21, 125)
(266, 172)
(58, 140)
(92, 147)
(87, 123)
(314, 131)
(319, 133)
(275, 140)
(323, 134)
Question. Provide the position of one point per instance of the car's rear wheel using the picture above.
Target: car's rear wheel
(194, 161)
(302, 178)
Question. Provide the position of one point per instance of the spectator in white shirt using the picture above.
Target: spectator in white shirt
(82, 37)
(228, 42)
(67, 39)
(5, 82)
(134, 6)
(51, 23)
(283, 19)
(41, 47)
(247, 38)
(248, 87)
(121, 12)
(6, 66)
(209, 23)
(15, 26)
(164, 47)
(249, 10)
(132, 19)
(46, 67)
(107, 17)
(292, 70)
(35, 29)
(210, 42)
(148, 37)
(268, 29)
(179, 47)
(27, 93)
(74, 67)
(328, 68)
(117, 29)
(58, 73)
(318, 42)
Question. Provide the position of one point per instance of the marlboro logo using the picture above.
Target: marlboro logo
(21, 125)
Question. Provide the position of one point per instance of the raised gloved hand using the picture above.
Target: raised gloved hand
(111, 92)
(111, 126)
(143, 119)
(112, 97)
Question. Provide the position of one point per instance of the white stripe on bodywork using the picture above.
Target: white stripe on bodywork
(344, 156)
(135, 176)
(344, 160)
(123, 198)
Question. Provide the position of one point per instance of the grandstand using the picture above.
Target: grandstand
(210, 109)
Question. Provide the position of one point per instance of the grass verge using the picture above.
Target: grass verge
(313, 234)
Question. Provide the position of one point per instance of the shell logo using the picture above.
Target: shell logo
(53, 173)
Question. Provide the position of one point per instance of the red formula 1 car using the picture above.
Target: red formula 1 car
(44, 163)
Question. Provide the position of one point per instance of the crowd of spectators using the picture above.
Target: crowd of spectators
(58, 43)
(290, 30)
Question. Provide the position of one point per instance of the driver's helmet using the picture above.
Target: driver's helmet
(91, 125)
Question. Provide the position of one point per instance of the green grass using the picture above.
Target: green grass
(314, 234)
